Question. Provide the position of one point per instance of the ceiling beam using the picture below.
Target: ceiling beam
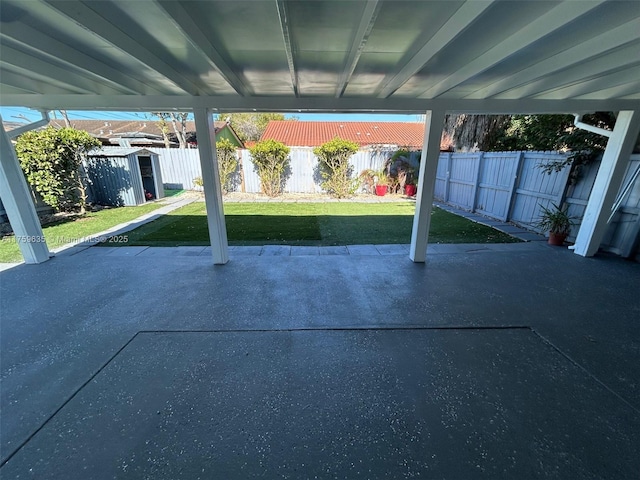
(457, 23)
(587, 70)
(283, 15)
(94, 22)
(554, 19)
(30, 37)
(31, 66)
(312, 104)
(576, 55)
(619, 91)
(367, 19)
(178, 15)
(585, 87)
(19, 82)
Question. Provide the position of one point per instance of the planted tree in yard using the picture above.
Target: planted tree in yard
(227, 162)
(336, 172)
(271, 159)
(52, 162)
(250, 126)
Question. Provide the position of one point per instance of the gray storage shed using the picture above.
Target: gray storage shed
(123, 176)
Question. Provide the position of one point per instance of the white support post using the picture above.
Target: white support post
(607, 183)
(19, 205)
(211, 181)
(426, 185)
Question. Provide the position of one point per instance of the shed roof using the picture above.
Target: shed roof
(119, 151)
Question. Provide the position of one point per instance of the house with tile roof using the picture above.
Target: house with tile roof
(408, 135)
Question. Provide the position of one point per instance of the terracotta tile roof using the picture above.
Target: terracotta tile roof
(313, 134)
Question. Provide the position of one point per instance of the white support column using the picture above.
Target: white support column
(426, 184)
(607, 183)
(211, 181)
(19, 206)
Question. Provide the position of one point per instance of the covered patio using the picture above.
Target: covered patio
(517, 363)
(521, 363)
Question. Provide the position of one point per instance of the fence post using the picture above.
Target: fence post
(513, 188)
(474, 201)
(447, 178)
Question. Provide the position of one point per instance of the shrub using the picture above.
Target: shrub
(227, 162)
(334, 167)
(271, 159)
(52, 162)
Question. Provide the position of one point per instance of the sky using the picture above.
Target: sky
(17, 114)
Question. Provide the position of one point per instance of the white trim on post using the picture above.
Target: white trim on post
(426, 184)
(608, 181)
(19, 206)
(211, 181)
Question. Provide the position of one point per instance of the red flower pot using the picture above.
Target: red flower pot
(381, 190)
(410, 190)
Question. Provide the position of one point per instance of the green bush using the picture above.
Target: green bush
(334, 167)
(271, 159)
(52, 162)
(227, 162)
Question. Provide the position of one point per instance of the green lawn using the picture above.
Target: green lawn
(71, 230)
(310, 224)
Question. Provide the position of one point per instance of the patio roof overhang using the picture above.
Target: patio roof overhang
(480, 56)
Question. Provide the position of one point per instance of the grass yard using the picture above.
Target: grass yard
(310, 224)
(69, 230)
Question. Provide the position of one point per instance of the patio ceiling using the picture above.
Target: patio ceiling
(404, 56)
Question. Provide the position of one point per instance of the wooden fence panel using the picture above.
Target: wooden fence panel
(535, 188)
(442, 177)
(496, 181)
(462, 179)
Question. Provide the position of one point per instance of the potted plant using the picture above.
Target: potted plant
(382, 182)
(410, 188)
(557, 222)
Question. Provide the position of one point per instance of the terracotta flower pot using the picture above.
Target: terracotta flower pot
(557, 238)
(381, 190)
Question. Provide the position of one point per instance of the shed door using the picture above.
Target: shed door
(146, 172)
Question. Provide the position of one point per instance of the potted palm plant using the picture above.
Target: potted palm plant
(411, 186)
(557, 222)
(382, 181)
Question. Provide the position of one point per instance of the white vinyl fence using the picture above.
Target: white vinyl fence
(179, 167)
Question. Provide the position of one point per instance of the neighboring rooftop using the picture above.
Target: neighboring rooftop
(312, 134)
(136, 132)
(117, 128)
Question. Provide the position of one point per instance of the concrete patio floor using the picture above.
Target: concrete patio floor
(514, 362)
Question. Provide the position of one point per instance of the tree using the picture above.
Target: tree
(163, 125)
(178, 121)
(227, 162)
(271, 159)
(250, 126)
(336, 172)
(556, 132)
(52, 162)
(530, 132)
(474, 132)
